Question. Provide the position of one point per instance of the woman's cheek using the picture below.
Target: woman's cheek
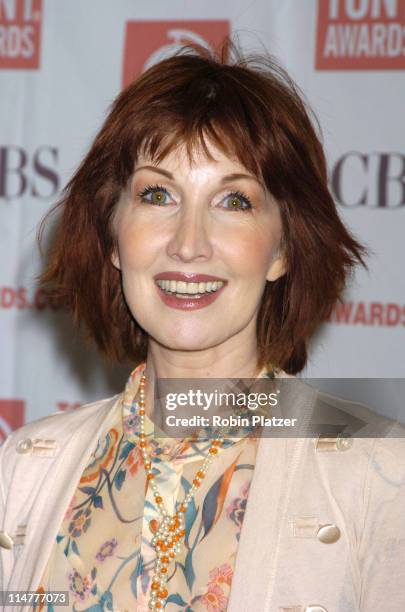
(137, 247)
(247, 255)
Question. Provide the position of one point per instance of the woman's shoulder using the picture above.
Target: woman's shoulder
(48, 435)
(338, 426)
(369, 438)
(338, 412)
(65, 418)
(355, 418)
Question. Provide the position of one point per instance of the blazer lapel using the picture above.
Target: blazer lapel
(277, 459)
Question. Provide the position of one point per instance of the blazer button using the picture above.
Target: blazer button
(24, 446)
(6, 541)
(328, 534)
(315, 609)
(344, 443)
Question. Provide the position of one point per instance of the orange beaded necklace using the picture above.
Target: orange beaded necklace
(170, 531)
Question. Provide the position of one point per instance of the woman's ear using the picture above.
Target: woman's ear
(115, 259)
(277, 268)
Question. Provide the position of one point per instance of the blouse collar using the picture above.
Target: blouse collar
(159, 445)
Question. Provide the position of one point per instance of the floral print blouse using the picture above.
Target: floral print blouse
(102, 553)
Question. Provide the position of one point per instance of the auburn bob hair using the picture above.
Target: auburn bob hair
(252, 110)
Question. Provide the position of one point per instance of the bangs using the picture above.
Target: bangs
(196, 140)
(198, 110)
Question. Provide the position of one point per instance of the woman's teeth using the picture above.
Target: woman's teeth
(183, 289)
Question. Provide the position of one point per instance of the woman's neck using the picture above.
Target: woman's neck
(239, 360)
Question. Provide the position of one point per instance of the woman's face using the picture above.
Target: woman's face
(196, 245)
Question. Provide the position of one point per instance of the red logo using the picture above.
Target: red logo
(148, 42)
(369, 313)
(11, 416)
(360, 35)
(64, 406)
(23, 298)
(20, 33)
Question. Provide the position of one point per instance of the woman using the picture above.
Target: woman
(198, 239)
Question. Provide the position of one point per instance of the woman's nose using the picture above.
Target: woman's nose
(190, 236)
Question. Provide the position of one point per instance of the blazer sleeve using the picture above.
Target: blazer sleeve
(2, 512)
(382, 544)
(6, 468)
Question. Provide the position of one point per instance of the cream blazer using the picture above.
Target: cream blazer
(324, 529)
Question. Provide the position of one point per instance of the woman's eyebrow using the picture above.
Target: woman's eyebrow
(237, 175)
(225, 179)
(155, 169)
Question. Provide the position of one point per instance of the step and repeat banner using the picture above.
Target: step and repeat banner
(61, 65)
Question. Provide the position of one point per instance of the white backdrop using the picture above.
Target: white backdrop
(61, 65)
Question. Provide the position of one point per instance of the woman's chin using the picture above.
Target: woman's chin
(179, 342)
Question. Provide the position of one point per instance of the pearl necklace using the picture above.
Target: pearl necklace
(170, 531)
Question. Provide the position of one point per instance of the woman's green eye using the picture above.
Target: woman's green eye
(158, 197)
(155, 194)
(238, 201)
(235, 202)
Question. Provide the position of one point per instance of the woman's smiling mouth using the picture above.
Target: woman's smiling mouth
(188, 291)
